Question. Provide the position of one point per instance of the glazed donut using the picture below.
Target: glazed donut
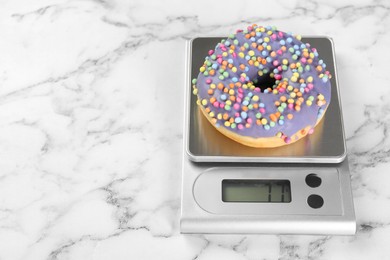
(263, 88)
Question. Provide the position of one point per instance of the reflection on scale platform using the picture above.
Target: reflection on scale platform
(211, 142)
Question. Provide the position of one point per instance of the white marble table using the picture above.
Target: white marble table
(91, 150)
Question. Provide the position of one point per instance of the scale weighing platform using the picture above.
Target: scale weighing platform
(300, 188)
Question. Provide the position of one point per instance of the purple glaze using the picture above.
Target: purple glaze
(307, 116)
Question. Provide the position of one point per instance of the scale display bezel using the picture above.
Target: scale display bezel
(207, 191)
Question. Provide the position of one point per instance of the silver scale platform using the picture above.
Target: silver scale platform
(301, 188)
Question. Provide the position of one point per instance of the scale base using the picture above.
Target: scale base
(339, 220)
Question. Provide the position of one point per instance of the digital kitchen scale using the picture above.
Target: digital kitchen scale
(300, 188)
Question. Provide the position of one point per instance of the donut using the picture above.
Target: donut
(263, 87)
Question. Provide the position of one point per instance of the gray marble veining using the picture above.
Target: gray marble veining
(91, 126)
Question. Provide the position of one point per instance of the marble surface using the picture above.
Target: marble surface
(91, 151)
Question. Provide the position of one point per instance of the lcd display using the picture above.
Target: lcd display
(253, 190)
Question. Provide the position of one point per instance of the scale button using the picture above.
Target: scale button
(315, 201)
(313, 180)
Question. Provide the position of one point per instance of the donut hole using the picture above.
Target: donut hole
(264, 82)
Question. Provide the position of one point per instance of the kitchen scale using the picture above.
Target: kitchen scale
(301, 188)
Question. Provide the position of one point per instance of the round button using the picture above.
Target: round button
(313, 180)
(315, 201)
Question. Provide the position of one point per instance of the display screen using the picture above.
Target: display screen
(271, 191)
